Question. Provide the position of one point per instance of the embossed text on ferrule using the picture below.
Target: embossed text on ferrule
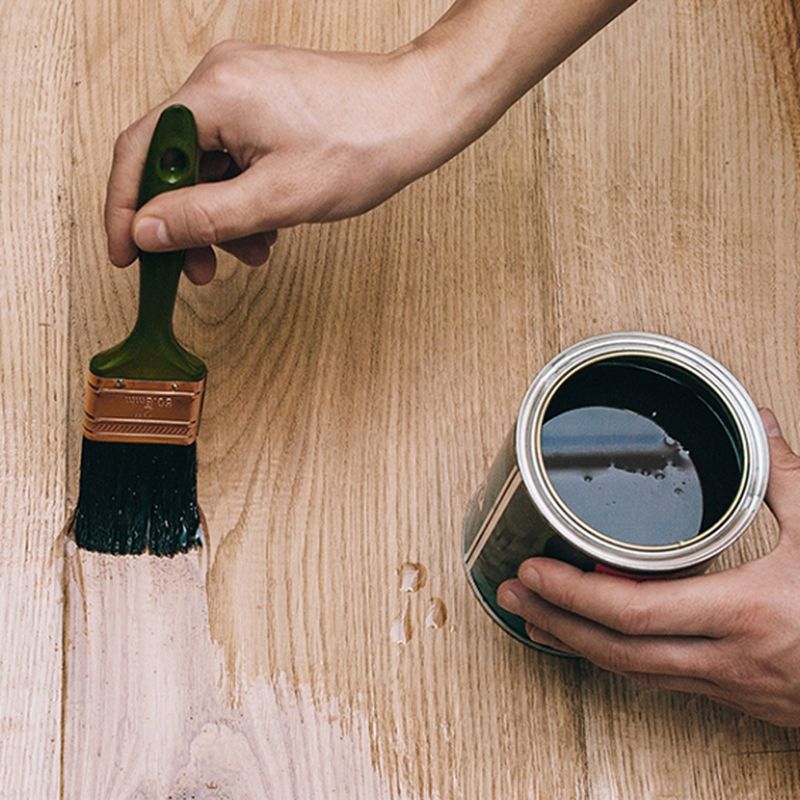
(142, 411)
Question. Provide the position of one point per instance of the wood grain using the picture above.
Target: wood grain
(35, 64)
(359, 387)
(314, 414)
(675, 194)
(165, 721)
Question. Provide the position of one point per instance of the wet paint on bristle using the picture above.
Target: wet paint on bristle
(138, 498)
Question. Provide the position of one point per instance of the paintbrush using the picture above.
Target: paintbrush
(138, 483)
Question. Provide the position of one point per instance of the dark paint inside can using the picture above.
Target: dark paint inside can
(641, 451)
(623, 475)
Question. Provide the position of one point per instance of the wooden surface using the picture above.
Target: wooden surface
(35, 66)
(359, 387)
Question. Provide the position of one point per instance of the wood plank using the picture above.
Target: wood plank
(361, 384)
(151, 713)
(35, 74)
(674, 142)
(359, 387)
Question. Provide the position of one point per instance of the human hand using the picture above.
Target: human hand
(733, 636)
(292, 136)
(288, 136)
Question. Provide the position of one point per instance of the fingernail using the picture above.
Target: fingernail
(770, 423)
(529, 575)
(151, 233)
(509, 600)
(540, 637)
(531, 631)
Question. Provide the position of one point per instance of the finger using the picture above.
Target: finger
(676, 683)
(539, 636)
(606, 648)
(212, 213)
(122, 192)
(696, 606)
(783, 492)
(200, 265)
(251, 250)
(130, 151)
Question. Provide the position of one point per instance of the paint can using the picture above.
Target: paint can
(632, 453)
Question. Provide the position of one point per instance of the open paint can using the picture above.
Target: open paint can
(632, 453)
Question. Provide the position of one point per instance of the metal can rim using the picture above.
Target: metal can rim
(682, 555)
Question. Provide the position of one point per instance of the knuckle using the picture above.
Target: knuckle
(564, 596)
(614, 656)
(123, 146)
(223, 47)
(754, 618)
(570, 593)
(226, 72)
(633, 618)
(786, 461)
(735, 674)
(200, 225)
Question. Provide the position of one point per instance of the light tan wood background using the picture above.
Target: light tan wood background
(359, 387)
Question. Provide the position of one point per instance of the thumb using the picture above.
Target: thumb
(783, 492)
(209, 213)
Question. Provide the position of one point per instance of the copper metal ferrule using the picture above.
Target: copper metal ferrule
(142, 411)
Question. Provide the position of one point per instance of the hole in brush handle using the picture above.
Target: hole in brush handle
(172, 165)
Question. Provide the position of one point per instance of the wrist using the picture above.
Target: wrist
(482, 56)
(467, 70)
(448, 100)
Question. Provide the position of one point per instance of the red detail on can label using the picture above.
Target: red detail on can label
(618, 573)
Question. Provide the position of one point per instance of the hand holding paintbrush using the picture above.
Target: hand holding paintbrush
(138, 485)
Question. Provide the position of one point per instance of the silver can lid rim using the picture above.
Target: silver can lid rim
(618, 554)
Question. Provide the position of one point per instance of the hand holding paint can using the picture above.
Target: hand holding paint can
(632, 453)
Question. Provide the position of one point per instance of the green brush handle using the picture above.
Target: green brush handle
(151, 351)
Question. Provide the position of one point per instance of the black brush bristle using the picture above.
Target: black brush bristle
(138, 498)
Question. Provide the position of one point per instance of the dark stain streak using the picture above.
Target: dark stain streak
(767, 752)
